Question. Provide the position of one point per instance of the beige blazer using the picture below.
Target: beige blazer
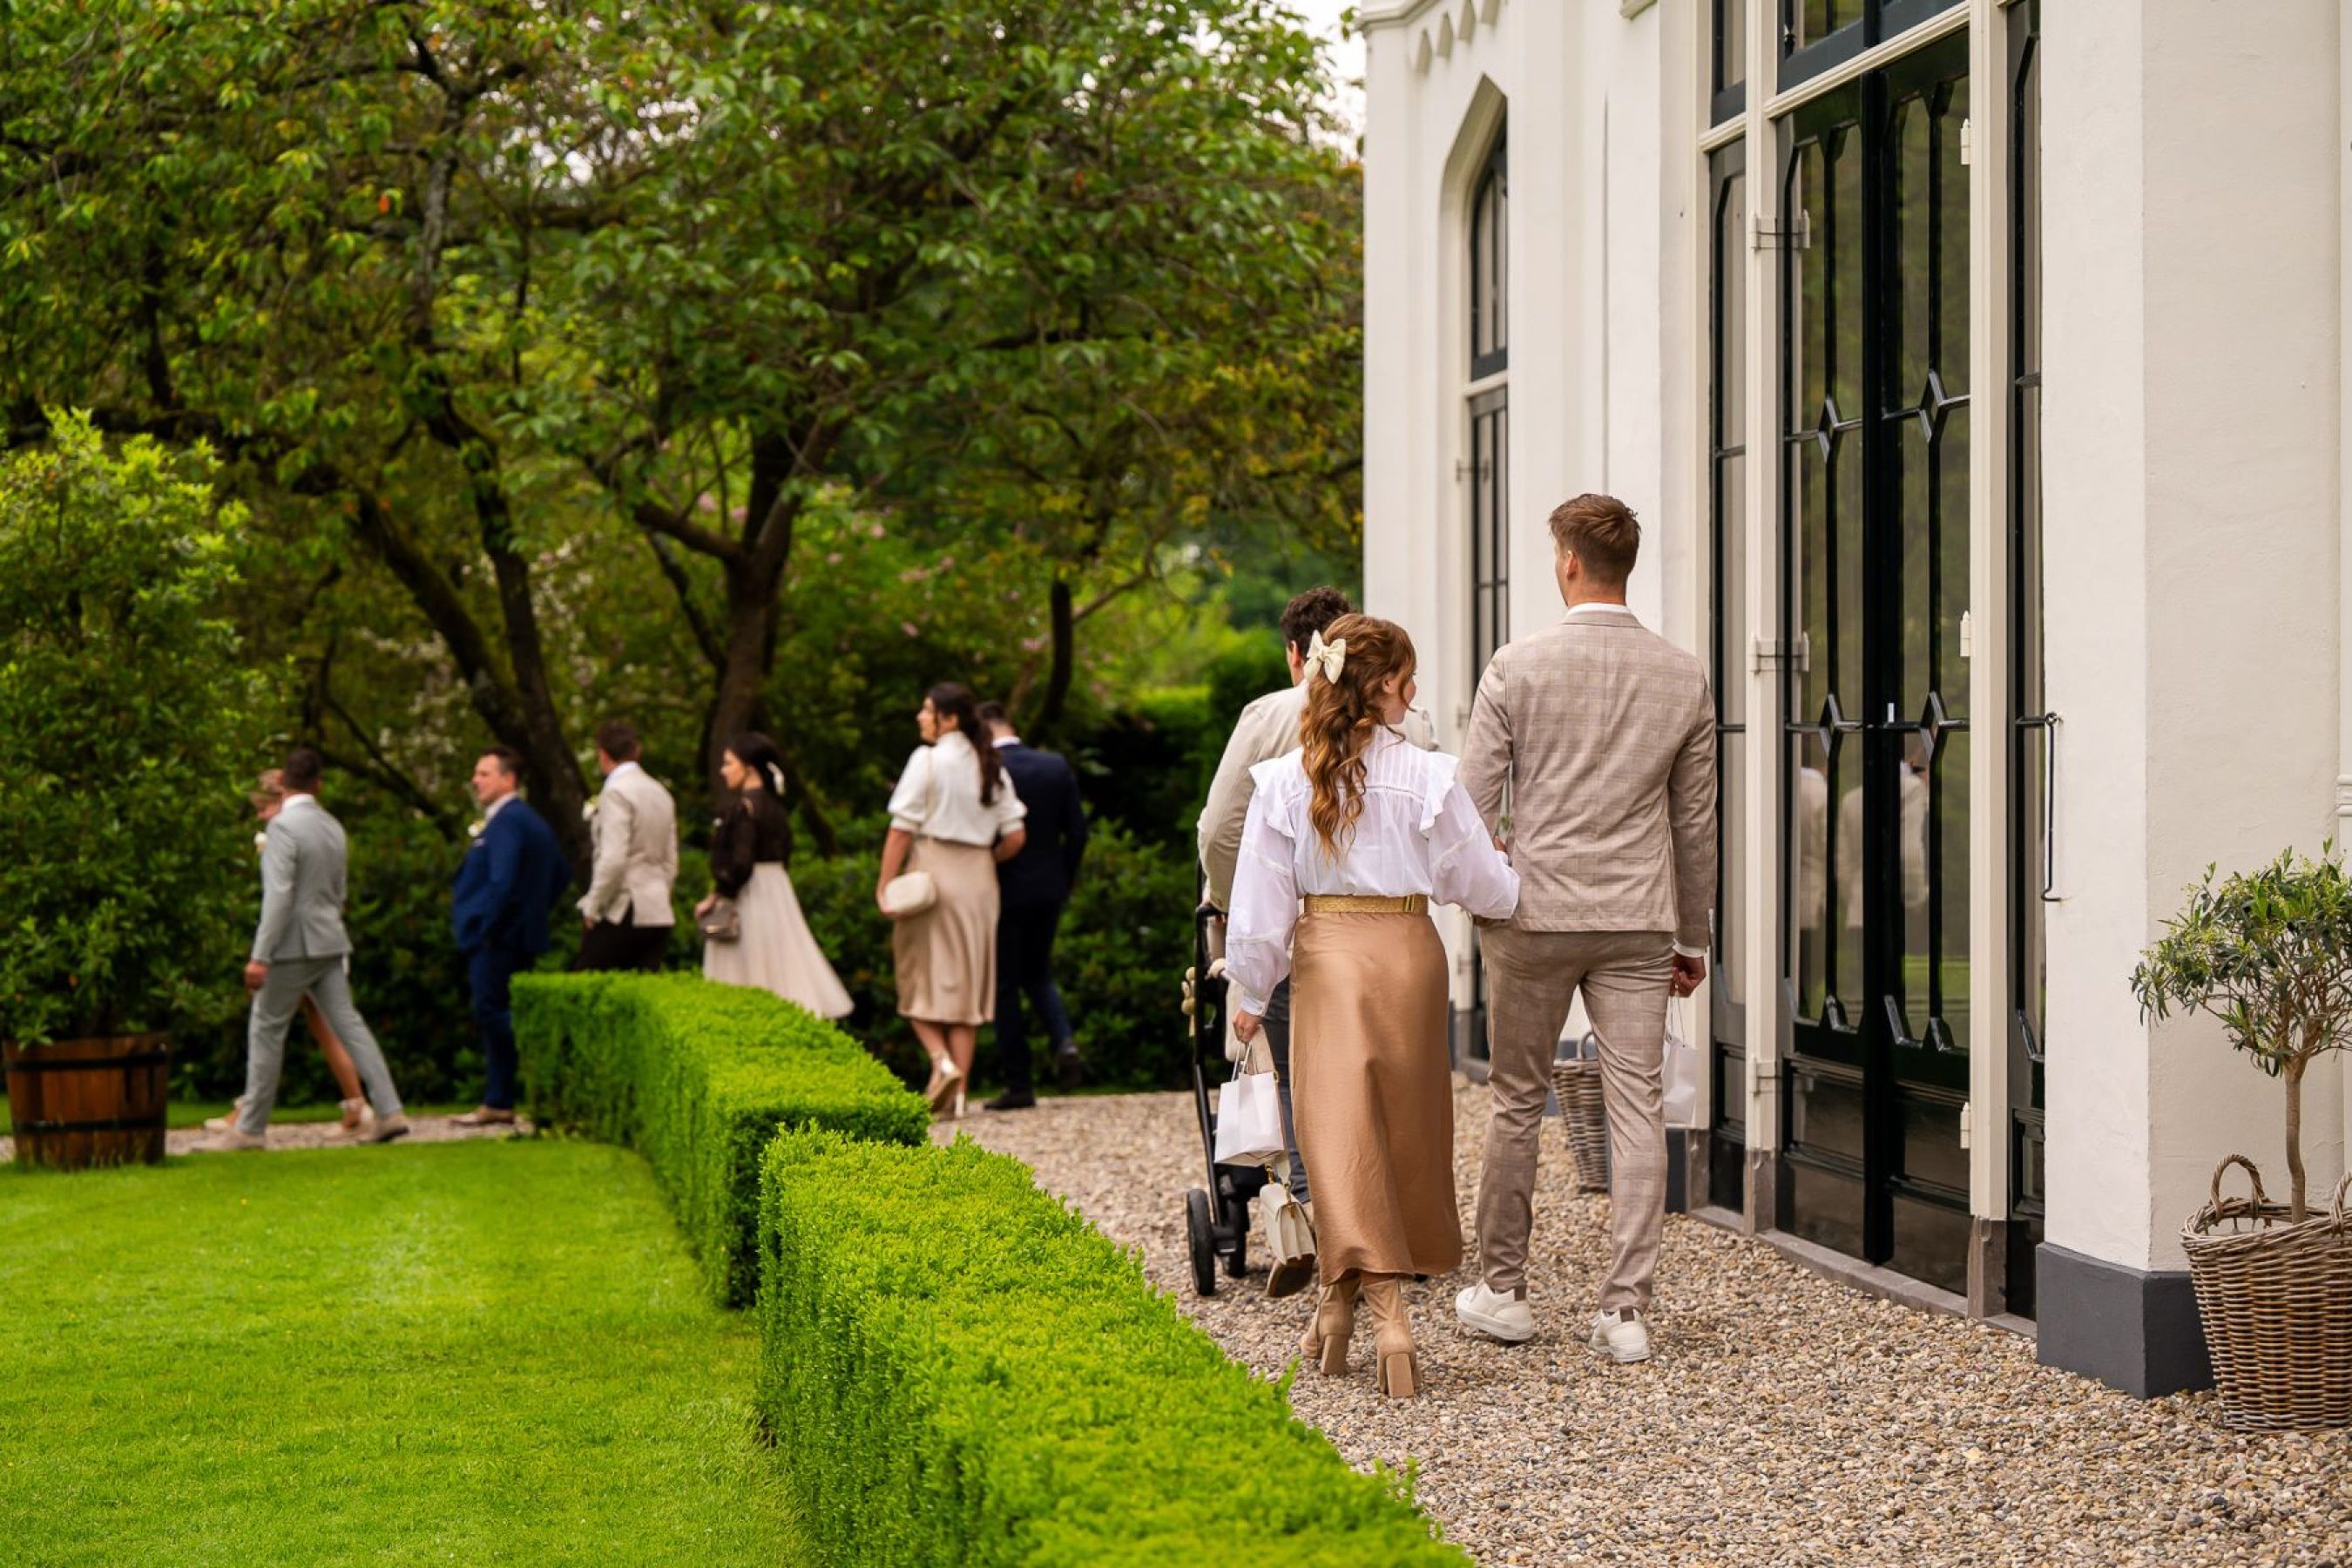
(1267, 728)
(635, 830)
(1602, 733)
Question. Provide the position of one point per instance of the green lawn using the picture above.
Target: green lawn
(492, 1351)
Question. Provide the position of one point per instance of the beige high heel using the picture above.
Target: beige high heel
(1326, 1340)
(947, 1086)
(1396, 1364)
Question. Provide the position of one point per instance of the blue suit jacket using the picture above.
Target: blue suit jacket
(508, 883)
(1042, 874)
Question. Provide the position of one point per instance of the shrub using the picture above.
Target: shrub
(1125, 942)
(128, 730)
(961, 1370)
(698, 1076)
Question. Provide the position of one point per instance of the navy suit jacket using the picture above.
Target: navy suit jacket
(508, 883)
(1042, 873)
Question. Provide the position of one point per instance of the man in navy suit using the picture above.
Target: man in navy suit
(510, 882)
(1034, 885)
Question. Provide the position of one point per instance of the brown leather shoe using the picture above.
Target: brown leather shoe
(487, 1116)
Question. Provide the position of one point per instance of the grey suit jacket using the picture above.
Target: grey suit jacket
(1604, 734)
(1267, 728)
(302, 863)
(636, 850)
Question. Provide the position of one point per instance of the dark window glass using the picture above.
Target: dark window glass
(1490, 206)
(1727, 476)
(1729, 77)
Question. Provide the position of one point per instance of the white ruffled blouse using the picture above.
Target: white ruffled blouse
(1418, 834)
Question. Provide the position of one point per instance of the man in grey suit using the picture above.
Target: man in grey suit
(299, 947)
(1591, 755)
(626, 911)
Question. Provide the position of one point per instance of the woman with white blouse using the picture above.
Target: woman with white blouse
(953, 817)
(1365, 831)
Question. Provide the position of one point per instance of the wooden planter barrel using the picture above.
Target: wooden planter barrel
(82, 1103)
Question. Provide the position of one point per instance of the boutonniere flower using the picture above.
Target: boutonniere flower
(474, 829)
(588, 808)
(261, 840)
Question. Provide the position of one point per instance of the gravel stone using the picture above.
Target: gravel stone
(1784, 1419)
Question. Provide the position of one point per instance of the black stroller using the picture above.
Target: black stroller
(1217, 1218)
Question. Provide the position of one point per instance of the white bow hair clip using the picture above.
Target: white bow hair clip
(1329, 657)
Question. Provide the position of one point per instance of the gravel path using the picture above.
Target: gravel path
(1784, 1419)
(327, 1135)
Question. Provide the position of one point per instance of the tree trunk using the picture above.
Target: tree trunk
(2294, 1074)
(1058, 673)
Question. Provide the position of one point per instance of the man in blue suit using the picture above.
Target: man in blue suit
(1034, 886)
(510, 882)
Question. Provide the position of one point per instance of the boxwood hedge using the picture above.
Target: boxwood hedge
(698, 1076)
(961, 1370)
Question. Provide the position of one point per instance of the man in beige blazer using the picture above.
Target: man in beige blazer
(1592, 755)
(627, 909)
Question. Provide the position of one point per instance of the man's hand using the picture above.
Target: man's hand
(1688, 972)
(587, 922)
(1245, 1025)
(254, 973)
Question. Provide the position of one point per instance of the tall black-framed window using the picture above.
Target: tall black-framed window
(1874, 475)
(1490, 541)
(2032, 753)
(1490, 211)
(1818, 35)
(1728, 75)
(1728, 521)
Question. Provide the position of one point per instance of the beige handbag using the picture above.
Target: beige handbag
(910, 894)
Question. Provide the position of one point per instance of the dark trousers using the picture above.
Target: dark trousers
(1024, 968)
(1278, 1046)
(488, 972)
(621, 944)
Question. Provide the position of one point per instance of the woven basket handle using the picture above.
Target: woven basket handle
(2342, 1220)
(2253, 1175)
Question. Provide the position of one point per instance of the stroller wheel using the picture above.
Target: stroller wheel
(1201, 1231)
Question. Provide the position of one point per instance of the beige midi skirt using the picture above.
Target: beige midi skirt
(1372, 1092)
(946, 956)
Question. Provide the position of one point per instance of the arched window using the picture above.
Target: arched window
(1489, 227)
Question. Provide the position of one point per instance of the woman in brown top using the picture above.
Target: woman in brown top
(776, 950)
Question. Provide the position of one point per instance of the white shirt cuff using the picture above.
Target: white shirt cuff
(1682, 951)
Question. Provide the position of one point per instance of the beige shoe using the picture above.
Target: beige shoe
(222, 1123)
(1396, 1365)
(228, 1140)
(485, 1116)
(1334, 1323)
(384, 1128)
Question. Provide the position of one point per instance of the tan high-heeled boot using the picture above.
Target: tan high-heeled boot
(1326, 1343)
(1396, 1367)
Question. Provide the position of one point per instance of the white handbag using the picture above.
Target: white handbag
(910, 894)
(1249, 1119)
(1282, 1223)
(1684, 1073)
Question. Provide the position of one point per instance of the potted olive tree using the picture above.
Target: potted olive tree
(2269, 954)
(129, 726)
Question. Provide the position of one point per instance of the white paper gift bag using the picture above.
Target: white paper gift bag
(1249, 1119)
(1684, 1073)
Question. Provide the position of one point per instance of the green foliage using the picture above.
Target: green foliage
(128, 722)
(492, 1352)
(959, 1369)
(2269, 954)
(698, 1076)
(1124, 943)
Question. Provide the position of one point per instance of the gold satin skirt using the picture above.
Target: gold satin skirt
(1372, 1092)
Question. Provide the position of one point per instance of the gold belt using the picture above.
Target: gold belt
(1364, 904)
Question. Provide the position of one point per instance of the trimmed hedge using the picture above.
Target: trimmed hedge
(962, 1370)
(698, 1076)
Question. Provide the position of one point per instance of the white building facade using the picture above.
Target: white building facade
(1978, 371)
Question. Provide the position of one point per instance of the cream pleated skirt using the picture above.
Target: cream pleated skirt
(777, 952)
(947, 955)
(1372, 1092)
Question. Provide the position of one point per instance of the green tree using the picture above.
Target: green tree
(459, 285)
(128, 720)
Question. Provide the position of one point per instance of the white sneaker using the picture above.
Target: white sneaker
(1497, 1313)
(1621, 1336)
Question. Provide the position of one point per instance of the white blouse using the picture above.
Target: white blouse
(938, 795)
(1418, 834)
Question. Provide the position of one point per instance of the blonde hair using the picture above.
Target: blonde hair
(1342, 718)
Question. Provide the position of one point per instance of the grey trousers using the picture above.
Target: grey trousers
(1278, 1046)
(1532, 978)
(274, 1007)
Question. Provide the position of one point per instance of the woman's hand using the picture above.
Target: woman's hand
(703, 907)
(882, 902)
(1246, 1026)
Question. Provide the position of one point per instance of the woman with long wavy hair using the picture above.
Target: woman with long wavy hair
(953, 817)
(1363, 832)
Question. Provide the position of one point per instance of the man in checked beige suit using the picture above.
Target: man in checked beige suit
(1592, 755)
(626, 911)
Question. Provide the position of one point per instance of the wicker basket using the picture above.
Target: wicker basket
(2275, 1299)
(1577, 1080)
